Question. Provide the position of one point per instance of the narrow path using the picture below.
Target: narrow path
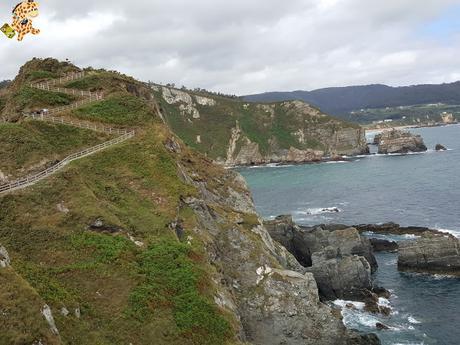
(124, 134)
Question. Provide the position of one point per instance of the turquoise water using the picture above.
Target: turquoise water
(420, 189)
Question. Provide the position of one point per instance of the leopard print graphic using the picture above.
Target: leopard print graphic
(23, 14)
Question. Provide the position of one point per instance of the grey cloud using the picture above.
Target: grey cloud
(246, 46)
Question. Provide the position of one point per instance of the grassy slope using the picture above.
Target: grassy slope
(29, 143)
(160, 294)
(20, 318)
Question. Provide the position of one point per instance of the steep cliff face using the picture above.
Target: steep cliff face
(150, 242)
(236, 133)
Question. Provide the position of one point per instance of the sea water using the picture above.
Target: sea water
(416, 189)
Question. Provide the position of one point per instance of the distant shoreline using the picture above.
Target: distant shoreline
(402, 127)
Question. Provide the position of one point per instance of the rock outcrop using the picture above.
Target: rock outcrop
(340, 259)
(4, 258)
(339, 276)
(393, 229)
(430, 253)
(440, 147)
(276, 301)
(396, 141)
(380, 245)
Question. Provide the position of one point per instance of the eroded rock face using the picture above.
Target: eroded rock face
(430, 253)
(340, 259)
(278, 313)
(396, 141)
(303, 242)
(257, 280)
(340, 276)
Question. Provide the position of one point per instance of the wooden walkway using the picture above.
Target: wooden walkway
(124, 134)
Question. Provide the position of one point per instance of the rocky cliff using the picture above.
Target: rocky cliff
(396, 141)
(339, 258)
(233, 132)
(148, 242)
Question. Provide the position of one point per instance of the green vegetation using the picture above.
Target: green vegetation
(267, 125)
(406, 115)
(90, 82)
(40, 74)
(160, 293)
(29, 143)
(119, 109)
(20, 317)
(172, 280)
(28, 97)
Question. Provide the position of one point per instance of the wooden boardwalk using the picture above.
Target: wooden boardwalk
(123, 134)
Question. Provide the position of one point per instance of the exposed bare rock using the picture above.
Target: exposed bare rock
(205, 101)
(278, 313)
(5, 260)
(430, 253)
(340, 276)
(440, 147)
(46, 311)
(383, 245)
(340, 259)
(302, 242)
(100, 225)
(261, 283)
(393, 229)
(396, 141)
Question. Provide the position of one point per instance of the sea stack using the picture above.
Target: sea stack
(396, 141)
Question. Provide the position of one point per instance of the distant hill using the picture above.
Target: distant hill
(339, 101)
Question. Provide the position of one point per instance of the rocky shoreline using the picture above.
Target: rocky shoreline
(341, 258)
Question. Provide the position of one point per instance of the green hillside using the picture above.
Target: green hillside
(222, 127)
(146, 242)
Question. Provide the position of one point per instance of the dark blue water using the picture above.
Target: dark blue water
(421, 189)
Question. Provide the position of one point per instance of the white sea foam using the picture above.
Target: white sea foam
(383, 302)
(337, 162)
(456, 233)
(413, 320)
(319, 210)
(343, 304)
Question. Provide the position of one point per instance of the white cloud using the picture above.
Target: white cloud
(245, 46)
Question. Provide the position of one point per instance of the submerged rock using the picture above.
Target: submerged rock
(380, 326)
(430, 253)
(397, 141)
(440, 147)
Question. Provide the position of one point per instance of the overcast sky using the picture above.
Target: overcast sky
(249, 46)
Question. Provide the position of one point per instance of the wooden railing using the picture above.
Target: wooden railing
(77, 123)
(31, 179)
(125, 134)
